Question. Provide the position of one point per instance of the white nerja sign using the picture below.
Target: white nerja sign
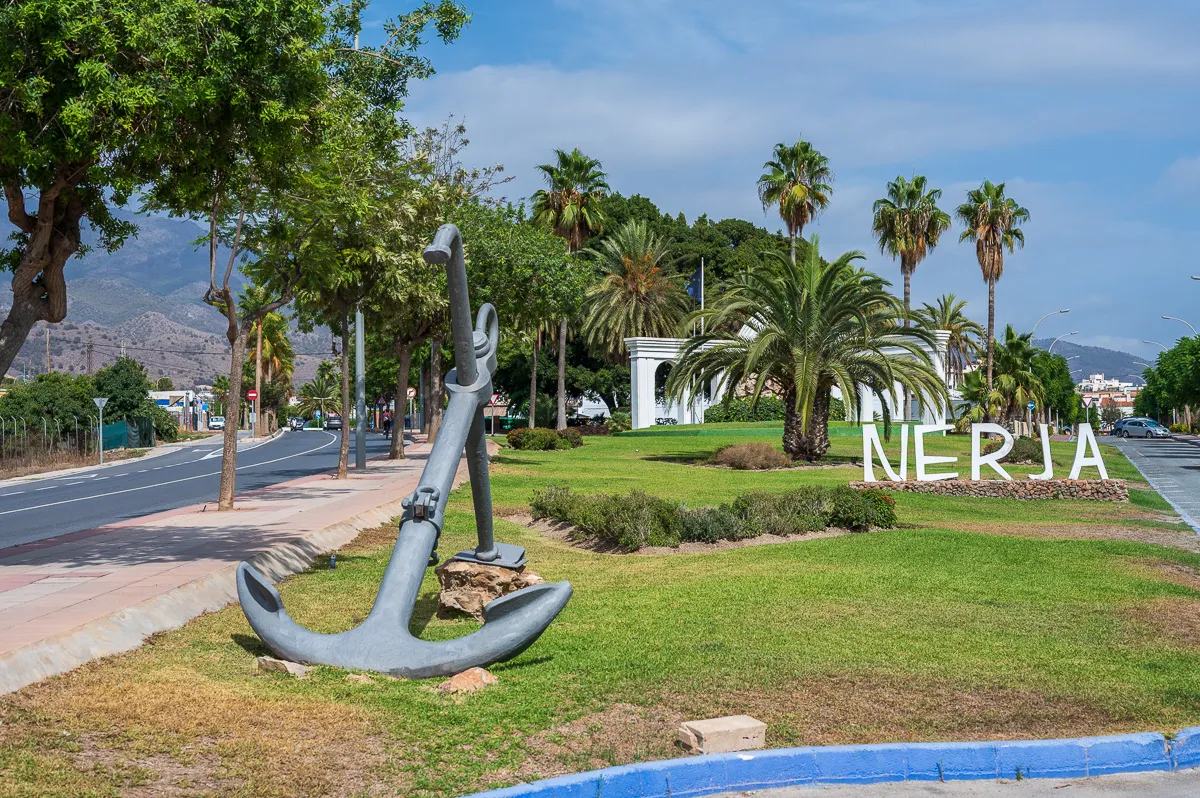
(1087, 453)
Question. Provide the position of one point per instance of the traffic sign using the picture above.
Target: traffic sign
(1031, 405)
(100, 402)
(251, 394)
(204, 407)
(1087, 401)
(495, 398)
(412, 393)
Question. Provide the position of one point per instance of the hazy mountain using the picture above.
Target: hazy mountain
(148, 296)
(1097, 360)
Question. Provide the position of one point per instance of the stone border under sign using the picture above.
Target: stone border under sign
(1099, 490)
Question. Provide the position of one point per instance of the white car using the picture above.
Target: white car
(216, 422)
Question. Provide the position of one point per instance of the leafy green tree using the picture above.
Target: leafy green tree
(908, 224)
(992, 220)
(818, 325)
(1058, 388)
(570, 207)
(639, 293)
(164, 384)
(798, 181)
(59, 398)
(83, 89)
(963, 346)
(125, 384)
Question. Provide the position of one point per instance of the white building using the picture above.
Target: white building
(1096, 383)
(651, 359)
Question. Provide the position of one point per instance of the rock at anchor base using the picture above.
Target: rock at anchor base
(466, 586)
(468, 681)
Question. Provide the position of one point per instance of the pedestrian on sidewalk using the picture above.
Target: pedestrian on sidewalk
(387, 424)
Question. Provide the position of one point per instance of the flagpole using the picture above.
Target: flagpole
(702, 292)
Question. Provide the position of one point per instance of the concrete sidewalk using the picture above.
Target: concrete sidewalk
(70, 599)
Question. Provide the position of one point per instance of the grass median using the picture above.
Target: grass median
(979, 618)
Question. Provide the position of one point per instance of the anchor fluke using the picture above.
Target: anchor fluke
(383, 642)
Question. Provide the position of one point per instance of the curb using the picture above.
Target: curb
(1192, 441)
(868, 764)
(128, 629)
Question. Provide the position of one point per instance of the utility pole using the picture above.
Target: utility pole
(360, 393)
(258, 370)
(47, 348)
(88, 356)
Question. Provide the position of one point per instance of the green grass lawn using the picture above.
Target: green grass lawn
(979, 618)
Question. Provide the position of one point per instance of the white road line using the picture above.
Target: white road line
(48, 487)
(14, 493)
(332, 440)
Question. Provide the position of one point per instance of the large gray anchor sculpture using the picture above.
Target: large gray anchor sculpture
(383, 642)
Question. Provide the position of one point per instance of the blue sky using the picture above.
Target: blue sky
(1088, 110)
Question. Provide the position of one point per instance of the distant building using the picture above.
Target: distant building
(1097, 383)
(1104, 391)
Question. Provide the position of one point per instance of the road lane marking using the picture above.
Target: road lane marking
(48, 487)
(14, 493)
(332, 440)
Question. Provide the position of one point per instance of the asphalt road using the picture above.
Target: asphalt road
(1172, 467)
(131, 489)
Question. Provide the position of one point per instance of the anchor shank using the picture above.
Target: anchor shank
(481, 488)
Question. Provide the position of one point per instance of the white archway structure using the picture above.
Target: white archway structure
(647, 354)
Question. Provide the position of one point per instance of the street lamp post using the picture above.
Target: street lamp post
(1048, 315)
(1176, 318)
(1156, 343)
(100, 403)
(1059, 338)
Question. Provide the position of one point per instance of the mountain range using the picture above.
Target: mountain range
(1088, 360)
(147, 297)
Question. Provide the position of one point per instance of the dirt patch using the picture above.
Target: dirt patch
(568, 534)
(1175, 572)
(826, 710)
(377, 537)
(1174, 620)
(1185, 540)
(181, 733)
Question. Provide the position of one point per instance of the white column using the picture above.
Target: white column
(642, 394)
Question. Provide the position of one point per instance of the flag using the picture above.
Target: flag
(695, 283)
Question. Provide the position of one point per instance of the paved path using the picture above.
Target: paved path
(1182, 784)
(90, 593)
(1172, 467)
(35, 509)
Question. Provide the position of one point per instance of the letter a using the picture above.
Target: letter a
(1087, 438)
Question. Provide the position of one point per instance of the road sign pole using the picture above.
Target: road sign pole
(100, 403)
(360, 393)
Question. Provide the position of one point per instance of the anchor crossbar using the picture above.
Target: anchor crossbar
(383, 642)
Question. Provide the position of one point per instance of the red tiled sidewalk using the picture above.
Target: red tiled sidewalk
(67, 600)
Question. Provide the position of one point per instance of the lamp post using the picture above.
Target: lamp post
(1176, 318)
(1048, 315)
(1156, 343)
(100, 403)
(1059, 338)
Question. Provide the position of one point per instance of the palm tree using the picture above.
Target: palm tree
(909, 224)
(323, 394)
(1016, 383)
(638, 293)
(817, 326)
(965, 334)
(992, 221)
(571, 208)
(799, 181)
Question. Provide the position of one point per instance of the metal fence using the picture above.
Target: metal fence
(28, 442)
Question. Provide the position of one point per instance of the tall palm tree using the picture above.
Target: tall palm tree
(799, 182)
(817, 326)
(638, 293)
(1016, 382)
(908, 224)
(322, 394)
(570, 206)
(965, 334)
(992, 221)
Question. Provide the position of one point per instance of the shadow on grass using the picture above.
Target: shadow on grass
(251, 644)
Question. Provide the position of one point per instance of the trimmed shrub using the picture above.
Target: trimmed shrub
(750, 457)
(166, 429)
(595, 429)
(767, 408)
(851, 509)
(798, 511)
(620, 422)
(885, 507)
(540, 439)
(710, 524)
(1024, 450)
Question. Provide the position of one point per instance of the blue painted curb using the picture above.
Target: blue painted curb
(865, 764)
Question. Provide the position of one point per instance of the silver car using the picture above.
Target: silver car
(1139, 428)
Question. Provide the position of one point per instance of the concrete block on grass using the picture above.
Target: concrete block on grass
(282, 666)
(722, 735)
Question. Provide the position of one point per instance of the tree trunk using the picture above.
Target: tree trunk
(812, 445)
(793, 244)
(344, 453)
(437, 388)
(907, 307)
(404, 354)
(258, 378)
(233, 409)
(537, 337)
(562, 375)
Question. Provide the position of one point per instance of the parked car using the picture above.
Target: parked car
(1147, 428)
(333, 422)
(216, 422)
(1120, 423)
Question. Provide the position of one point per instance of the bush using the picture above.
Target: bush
(750, 457)
(1024, 450)
(767, 408)
(710, 524)
(540, 439)
(637, 520)
(595, 429)
(620, 422)
(166, 429)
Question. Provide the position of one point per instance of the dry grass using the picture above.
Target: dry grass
(55, 461)
(750, 457)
